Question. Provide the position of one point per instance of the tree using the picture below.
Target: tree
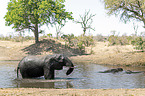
(86, 22)
(32, 14)
(127, 9)
(58, 30)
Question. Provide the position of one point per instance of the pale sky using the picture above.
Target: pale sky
(102, 23)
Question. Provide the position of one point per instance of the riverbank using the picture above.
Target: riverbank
(113, 55)
(102, 54)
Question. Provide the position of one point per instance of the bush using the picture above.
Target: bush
(119, 40)
(79, 42)
(139, 43)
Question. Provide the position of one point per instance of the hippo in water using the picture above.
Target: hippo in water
(132, 72)
(120, 70)
(112, 70)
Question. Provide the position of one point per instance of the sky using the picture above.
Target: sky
(102, 23)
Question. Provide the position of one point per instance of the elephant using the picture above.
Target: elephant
(36, 66)
(112, 70)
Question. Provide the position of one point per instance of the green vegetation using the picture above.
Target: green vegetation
(126, 9)
(79, 42)
(139, 42)
(71, 41)
(32, 14)
(119, 40)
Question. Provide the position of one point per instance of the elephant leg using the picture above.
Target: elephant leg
(48, 73)
(24, 75)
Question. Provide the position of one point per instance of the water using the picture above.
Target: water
(85, 76)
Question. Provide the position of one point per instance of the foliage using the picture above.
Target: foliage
(79, 42)
(69, 39)
(116, 40)
(32, 14)
(86, 22)
(127, 9)
(139, 42)
(49, 35)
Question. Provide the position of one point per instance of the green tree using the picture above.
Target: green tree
(127, 9)
(86, 22)
(32, 14)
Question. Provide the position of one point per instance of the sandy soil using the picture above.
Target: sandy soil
(113, 55)
(71, 92)
(102, 54)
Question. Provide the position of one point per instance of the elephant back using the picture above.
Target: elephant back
(32, 61)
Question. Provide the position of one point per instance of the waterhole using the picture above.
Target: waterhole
(84, 76)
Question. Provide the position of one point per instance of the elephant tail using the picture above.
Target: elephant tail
(18, 68)
(18, 71)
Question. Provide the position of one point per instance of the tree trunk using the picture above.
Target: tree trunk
(84, 31)
(36, 33)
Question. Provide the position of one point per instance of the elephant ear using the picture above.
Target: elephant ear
(59, 58)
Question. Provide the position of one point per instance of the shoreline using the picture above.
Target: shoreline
(102, 53)
(71, 92)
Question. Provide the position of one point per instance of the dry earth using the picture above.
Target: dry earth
(113, 55)
(102, 54)
(71, 92)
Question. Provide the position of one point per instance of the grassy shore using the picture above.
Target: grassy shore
(102, 54)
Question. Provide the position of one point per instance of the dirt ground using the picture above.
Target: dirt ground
(102, 54)
(71, 92)
(113, 55)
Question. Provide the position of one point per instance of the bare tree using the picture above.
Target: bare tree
(86, 21)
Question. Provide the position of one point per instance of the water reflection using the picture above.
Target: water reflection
(41, 83)
(85, 76)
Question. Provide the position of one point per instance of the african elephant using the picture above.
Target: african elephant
(36, 66)
(112, 70)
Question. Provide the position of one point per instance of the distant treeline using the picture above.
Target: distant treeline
(137, 41)
(85, 41)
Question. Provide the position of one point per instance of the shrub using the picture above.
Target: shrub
(119, 40)
(78, 42)
(139, 43)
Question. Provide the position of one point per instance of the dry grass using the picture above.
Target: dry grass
(113, 55)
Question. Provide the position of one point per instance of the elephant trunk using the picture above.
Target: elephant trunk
(70, 65)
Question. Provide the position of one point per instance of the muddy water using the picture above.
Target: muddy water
(85, 76)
